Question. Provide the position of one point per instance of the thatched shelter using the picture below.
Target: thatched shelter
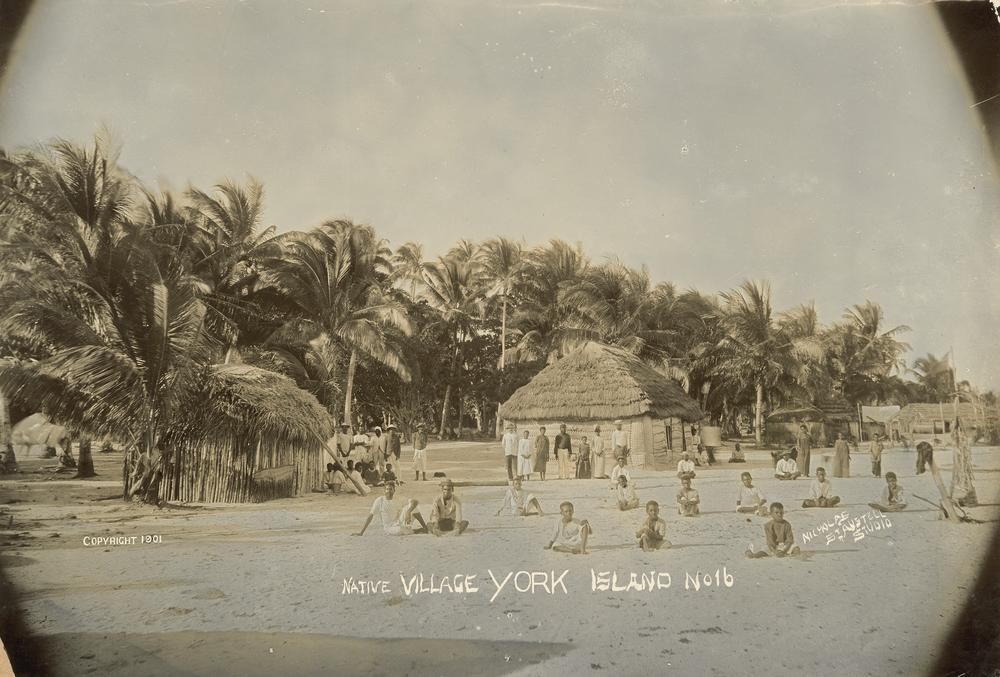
(823, 421)
(256, 436)
(597, 384)
(932, 418)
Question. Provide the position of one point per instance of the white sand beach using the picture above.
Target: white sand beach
(259, 589)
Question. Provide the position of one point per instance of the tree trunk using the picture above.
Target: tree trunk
(447, 393)
(349, 389)
(503, 335)
(4, 421)
(962, 491)
(461, 412)
(758, 416)
(84, 459)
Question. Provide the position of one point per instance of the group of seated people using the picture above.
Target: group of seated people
(357, 478)
(401, 517)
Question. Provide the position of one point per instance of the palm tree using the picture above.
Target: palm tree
(452, 289)
(754, 353)
(865, 355)
(334, 281)
(503, 266)
(408, 267)
(541, 316)
(935, 375)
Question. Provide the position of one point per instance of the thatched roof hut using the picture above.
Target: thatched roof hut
(933, 418)
(255, 436)
(823, 421)
(597, 384)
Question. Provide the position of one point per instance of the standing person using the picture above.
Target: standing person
(344, 441)
(541, 453)
(379, 448)
(361, 447)
(599, 457)
(509, 444)
(393, 444)
(841, 457)
(524, 456)
(875, 449)
(619, 441)
(803, 442)
(420, 453)
(925, 456)
(564, 447)
(583, 470)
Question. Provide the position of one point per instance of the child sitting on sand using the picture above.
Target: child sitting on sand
(446, 515)
(737, 455)
(359, 482)
(892, 496)
(778, 532)
(749, 498)
(787, 468)
(685, 467)
(687, 500)
(334, 478)
(570, 534)
(820, 493)
(396, 519)
(517, 502)
(625, 496)
(389, 475)
(652, 534)
(370, 474)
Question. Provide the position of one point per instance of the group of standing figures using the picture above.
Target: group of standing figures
(525, 456)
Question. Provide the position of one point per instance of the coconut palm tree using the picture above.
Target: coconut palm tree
(934, 374)
(334, 282)
(541, 316)
(452, 289)
(864, 353)
(503, 268)
(408, 267)
(754, 353)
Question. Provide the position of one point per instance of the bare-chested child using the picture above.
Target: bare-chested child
(518, 502)
(625, 496)
(892, 499)
(396, 519)
(687, 500)
(446, 515)
(570, 535)
(749, 498)
(778, 532)
(652, 534)
(821, 492)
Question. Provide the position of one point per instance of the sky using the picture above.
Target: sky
(830, 148)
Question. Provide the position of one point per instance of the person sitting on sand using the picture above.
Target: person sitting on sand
(618, 471)
(821, 492)
(701, 456)
(778, 532)
(446, 515)
(737, 455)
(396, 519)
(570, 535)
(892, 496)
(352, 473)
(625, 496)
(685, 467)
(334, 478)
(687, 500)
(389, 475)
(370, 474)
(519, 502)
(787, 468)
(652, 534)
(749, 498)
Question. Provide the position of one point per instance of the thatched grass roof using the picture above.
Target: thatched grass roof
(932, 411)
(240, 398)
(597, 382)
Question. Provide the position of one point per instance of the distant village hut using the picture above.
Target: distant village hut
(823, 422)
(932, 418)
(596, 385)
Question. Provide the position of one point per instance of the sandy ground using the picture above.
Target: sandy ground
(259, 589)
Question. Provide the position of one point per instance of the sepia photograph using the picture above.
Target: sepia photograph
(506, 338)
